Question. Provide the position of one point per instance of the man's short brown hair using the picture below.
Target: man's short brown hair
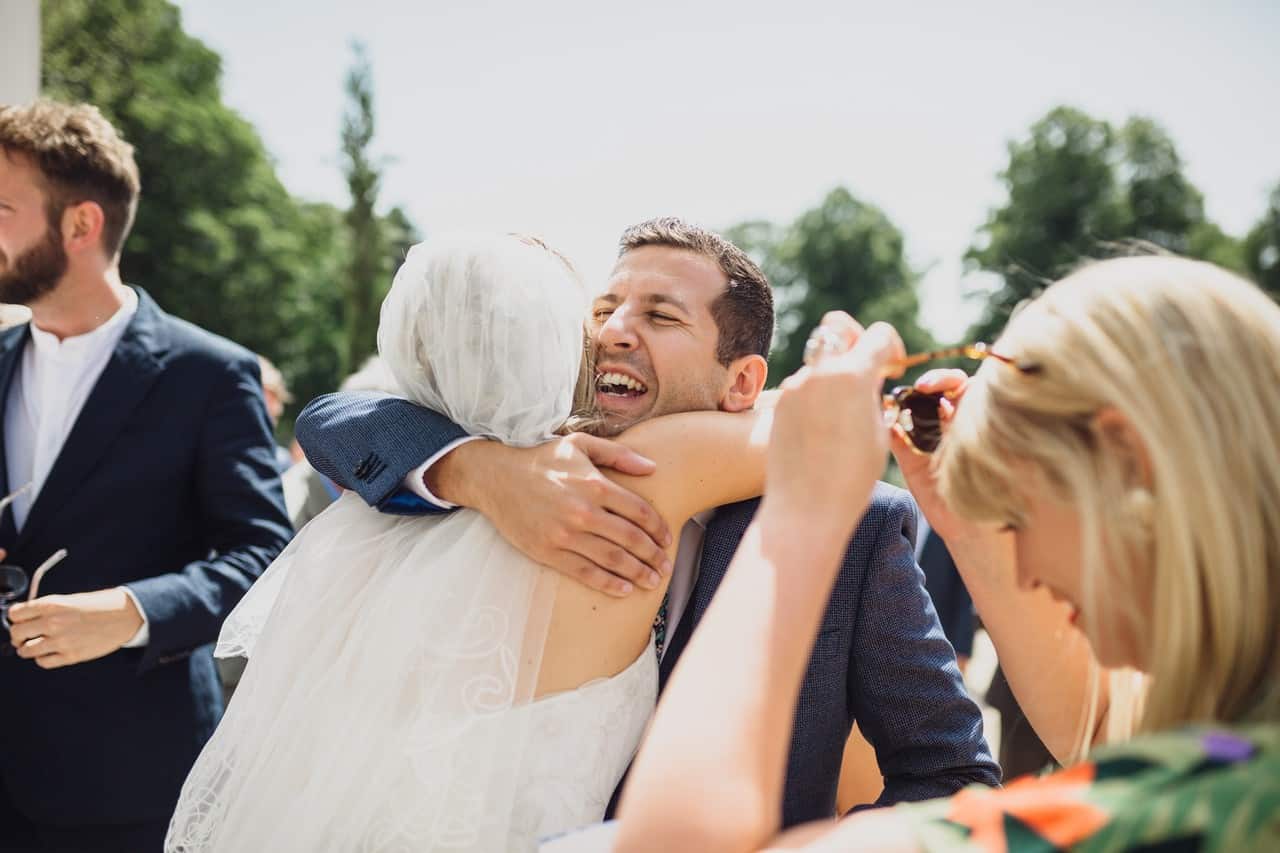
(744, 312)
(81, 158)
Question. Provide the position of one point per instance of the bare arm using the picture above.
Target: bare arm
(749, 653)
(1049, 664)
(550, 502)
(703, 459)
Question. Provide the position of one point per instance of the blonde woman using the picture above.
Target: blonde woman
(1123, 442)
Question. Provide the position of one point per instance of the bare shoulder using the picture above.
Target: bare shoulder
(704, 459)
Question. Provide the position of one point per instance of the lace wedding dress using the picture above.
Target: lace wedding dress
(388, 704)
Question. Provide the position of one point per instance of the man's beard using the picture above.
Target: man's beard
(35, 272)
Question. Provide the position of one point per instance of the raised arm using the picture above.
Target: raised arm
(550, 502)
(749, 653)
(1049, 665)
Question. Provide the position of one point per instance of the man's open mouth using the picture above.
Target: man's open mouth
(619, 385)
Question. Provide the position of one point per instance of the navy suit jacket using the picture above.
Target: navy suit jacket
(880, 658)
(166, 485)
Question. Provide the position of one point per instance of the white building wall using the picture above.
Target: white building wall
(19, 51)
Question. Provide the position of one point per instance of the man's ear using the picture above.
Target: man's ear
(748, 375)
(82, 226)
(1119, 433)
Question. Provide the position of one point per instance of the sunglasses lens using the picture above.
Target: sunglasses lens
(923, 417)
(13, 583)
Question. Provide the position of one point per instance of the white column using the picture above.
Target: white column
(19, 51)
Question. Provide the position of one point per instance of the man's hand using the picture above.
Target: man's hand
(552, 503)
(60, 630)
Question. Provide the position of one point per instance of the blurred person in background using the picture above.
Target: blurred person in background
(141, 446)
(275, 393)
(306, 491)
(1114, 464)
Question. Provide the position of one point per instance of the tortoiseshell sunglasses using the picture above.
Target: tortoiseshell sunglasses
(919, 414)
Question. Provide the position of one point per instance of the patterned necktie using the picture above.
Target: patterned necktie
(660, 626)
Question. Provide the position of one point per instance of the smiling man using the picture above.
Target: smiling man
(666, 313)
(683, 324)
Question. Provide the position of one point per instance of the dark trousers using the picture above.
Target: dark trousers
(20, 835)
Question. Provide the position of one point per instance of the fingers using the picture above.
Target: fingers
(592, 576)
(637, 544)
(879, 346)
(35, 647)
(843, 325)
(604, 453)
(639, 512)
(31, 644)
(27, 610)
(908, 457)
(945, 380)
(22, 632)
(615, 560)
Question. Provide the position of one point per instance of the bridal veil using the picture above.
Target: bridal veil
(390, 656)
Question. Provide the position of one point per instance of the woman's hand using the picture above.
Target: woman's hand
(829, 440)
(918, 469)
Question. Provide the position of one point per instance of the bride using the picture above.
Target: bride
(416, 683)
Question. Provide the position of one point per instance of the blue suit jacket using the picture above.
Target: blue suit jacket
(880, 658)
(167, 485)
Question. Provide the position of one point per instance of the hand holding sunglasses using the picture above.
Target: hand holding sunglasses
(917, 414)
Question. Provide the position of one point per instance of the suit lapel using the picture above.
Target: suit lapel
(724, 532)
(134, 365)
(11, 345)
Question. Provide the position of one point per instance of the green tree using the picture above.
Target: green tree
(1079, 188)
(218, 240)
(366, 274)
(844, 254)
(1262, 248)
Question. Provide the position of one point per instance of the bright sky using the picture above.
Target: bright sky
(574, 119)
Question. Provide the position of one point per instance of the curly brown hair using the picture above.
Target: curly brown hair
(81, 157)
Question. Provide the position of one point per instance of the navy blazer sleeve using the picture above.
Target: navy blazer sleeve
(243, 521)
(369, 442)
(905, 688)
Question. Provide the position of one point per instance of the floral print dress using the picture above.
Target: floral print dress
(1190, 790)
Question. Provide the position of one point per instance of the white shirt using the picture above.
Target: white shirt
(53, 380)
(684, 572)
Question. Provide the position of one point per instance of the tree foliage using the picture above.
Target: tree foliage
(844, 254)
(218, 239)
(365, 280)
(1079, 188)
(1262, 248)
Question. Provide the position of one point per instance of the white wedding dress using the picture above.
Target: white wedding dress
(388, 704)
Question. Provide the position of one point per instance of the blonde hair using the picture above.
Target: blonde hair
(1189, 355)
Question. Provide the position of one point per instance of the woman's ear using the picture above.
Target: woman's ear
(748, 375)
(1118, 432)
